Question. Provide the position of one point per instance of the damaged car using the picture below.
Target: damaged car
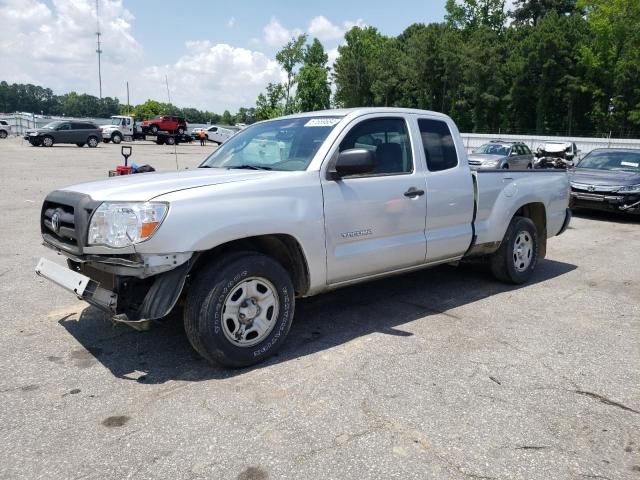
(607, 179)
(561, 155)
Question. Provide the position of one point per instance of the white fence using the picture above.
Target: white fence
(24, 121)
(473, 141)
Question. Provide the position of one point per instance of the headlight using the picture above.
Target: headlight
(629, 189)
(33, 134)
(491, 163)
(122, 224)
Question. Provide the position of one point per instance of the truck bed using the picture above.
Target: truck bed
(499, 191)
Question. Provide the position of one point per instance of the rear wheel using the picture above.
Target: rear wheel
(47, 141)
(153, 129)
(517, 257)
(3, 134)
(80, 145)
(117, 138)
(181, 130)
(106, 140)
(505, 166)
(92, 142)
(529, 167)
(170, 141)
(239, 309)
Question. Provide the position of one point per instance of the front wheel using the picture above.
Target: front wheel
(80, 145)
(154, 129)
(47, 141)
(181, 130)
(239, 310)
(117, 138)
(517, 256)
(3, 134)
(170, 141)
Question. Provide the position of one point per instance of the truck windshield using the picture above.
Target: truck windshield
(287, 144)
(116, 120)
(612, 160)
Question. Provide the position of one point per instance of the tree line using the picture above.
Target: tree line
(556, 67)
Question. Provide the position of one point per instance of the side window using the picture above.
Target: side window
(65, 126)
(526, 150)
(387, 139)
(213, 129)
(439, 149)
(519, 149)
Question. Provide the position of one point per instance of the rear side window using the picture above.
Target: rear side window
(438, 145)
(387, 139)
(526, 150)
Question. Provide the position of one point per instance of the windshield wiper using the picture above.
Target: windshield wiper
(249, 167)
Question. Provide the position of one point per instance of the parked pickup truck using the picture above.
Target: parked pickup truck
(293, 207)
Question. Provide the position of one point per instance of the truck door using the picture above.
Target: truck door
(375, 222)
(450, 197)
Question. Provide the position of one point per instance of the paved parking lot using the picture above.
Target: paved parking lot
(441, 374)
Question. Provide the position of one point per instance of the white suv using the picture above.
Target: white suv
(216, 134)
(5, 129)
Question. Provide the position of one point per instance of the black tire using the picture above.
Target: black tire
(180, 130)
(153, 129)
(116, 138)
(205, 308)
(505, 166)
(3, 134)
(506, 264)
(92, 142)
(170, 141)
(106, 140)
(35, 143)
(80, 145)
(529, 167)
(47, 141)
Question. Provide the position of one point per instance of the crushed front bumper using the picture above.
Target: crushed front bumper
(82, 286)
(610, 202)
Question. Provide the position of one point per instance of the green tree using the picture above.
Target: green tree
(472, 14)
(355, 67)
(291, 55)
(313, 91)
(530, 12)
(611, 59)
(270, 102)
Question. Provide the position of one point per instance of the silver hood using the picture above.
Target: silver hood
(146, 186)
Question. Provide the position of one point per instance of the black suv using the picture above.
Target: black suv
(64, 131)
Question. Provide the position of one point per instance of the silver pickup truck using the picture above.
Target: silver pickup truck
(293, 207)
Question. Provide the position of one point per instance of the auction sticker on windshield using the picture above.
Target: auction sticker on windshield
(322, 122)
(629, 164)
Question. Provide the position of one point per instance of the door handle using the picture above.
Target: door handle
(413, 192)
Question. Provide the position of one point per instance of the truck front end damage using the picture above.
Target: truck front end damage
(132, 288)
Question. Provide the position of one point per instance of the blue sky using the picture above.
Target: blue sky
(216, 55)
(209, 20)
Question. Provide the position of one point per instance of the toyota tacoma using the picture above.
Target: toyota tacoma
(293, 207)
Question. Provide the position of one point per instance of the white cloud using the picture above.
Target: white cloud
(231, 22)
(275, 35)
(325, 31)
(56, 46)
(215, 76)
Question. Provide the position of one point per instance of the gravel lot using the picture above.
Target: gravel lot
(441, 374)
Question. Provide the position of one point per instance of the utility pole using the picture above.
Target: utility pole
(166, 80)
(128, 98)
(99, 50)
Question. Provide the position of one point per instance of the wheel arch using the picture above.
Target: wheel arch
(537, 213)
(283, 248)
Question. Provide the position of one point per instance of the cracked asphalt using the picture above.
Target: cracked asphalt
(441, 374)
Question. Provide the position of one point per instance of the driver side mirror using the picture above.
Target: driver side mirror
(353, 162)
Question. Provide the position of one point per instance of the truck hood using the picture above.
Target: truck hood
(146, 186)
(589, 176)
